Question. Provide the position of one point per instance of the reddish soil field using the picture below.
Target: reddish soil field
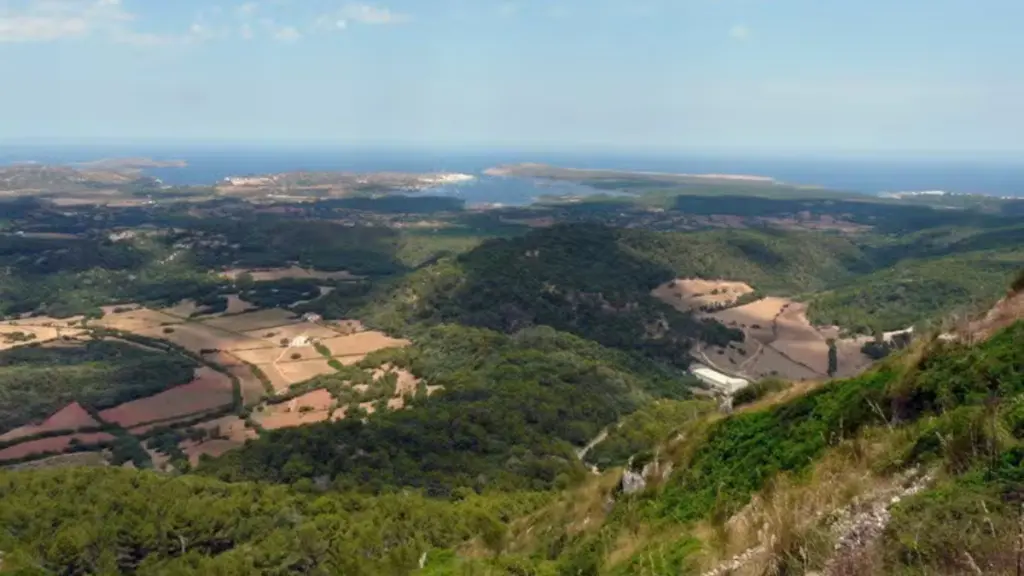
(71, 417)
(54, 444)
(210, 389)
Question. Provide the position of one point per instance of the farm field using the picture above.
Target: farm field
(197, 336)
(16, 333)
(51, 444)
(209, 390)
(252, 387)
(361, 343)
(292, 331)
(277, 355)
(686, 294)
(71, 417)
(780, 342)
(300, 371)
(258, 320)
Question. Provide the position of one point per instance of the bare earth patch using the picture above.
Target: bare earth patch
(296, 372)
(54, 444)
(277, 380)
(209, 390)
(315, 406)
(236, 305)
(134, 320)
(692, 293)
(71, 417)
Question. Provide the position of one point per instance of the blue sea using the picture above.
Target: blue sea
(208, 164)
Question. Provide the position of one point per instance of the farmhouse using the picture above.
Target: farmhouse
(720, 382)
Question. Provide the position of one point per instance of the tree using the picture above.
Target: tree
(833, 358)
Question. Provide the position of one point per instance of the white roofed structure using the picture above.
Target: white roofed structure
(721, 382)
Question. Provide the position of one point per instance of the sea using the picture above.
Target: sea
(208, 164)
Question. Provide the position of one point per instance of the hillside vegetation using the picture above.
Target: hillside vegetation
(512, 410)
(35, 381)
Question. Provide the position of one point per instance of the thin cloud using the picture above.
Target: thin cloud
(739, 32)
(50, 20)
(56, 20)
(357, 13)
(287, 34)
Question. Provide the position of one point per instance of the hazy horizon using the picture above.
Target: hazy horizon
(919, 77)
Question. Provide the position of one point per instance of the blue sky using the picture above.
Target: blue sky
(764, 75)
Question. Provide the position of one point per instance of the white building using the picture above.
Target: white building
(721, 382)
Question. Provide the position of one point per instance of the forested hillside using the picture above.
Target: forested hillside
(577, 278)
(512, 411)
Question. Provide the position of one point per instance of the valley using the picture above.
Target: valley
(490, 377)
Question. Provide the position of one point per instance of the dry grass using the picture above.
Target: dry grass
(62, 461)
(277, 355)
(688, 294)
(785, 528)
(362, 343)
(264, 274)
(10, 330)
(138, 320)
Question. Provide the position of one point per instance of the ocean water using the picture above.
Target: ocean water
(208, 164)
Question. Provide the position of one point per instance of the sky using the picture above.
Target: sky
(873, 76)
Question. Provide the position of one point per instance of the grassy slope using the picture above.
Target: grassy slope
(958, 410)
